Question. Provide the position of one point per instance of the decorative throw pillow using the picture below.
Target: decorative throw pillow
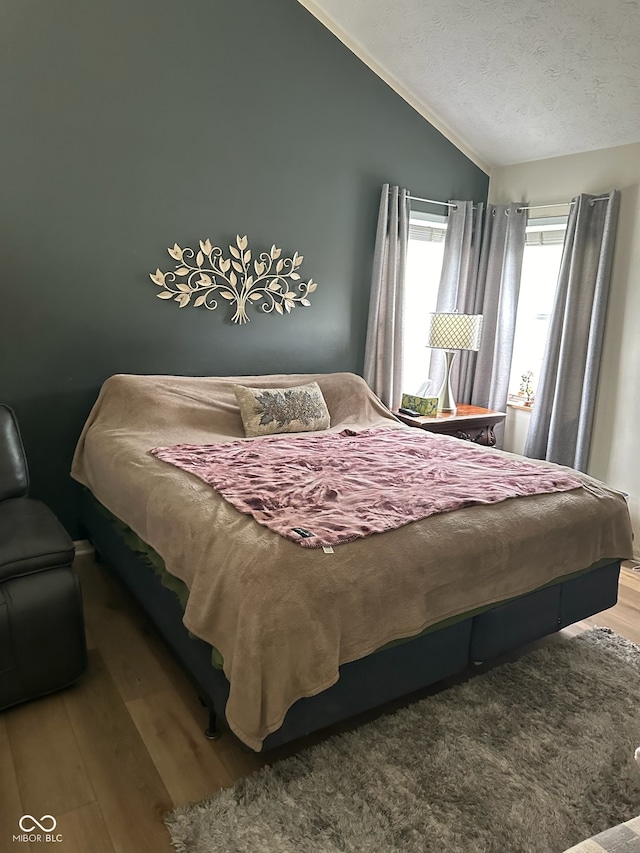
(268, 410)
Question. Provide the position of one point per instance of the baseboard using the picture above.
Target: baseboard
(83, 547)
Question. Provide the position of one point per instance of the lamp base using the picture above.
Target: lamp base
(446, 401)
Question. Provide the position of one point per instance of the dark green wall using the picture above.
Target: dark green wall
(128, 125)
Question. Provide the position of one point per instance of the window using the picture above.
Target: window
(424, 265)
(540, 268)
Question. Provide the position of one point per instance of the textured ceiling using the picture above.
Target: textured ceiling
(512, 80)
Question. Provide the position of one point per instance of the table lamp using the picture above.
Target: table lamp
(452, 332)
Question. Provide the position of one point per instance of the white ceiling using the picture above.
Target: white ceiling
(507, 80)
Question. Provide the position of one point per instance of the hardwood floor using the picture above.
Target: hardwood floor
(624, 618)
(111, 755)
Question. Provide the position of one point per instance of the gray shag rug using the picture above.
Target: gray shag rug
(530, 757)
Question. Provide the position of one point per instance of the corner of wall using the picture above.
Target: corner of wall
(384, 74)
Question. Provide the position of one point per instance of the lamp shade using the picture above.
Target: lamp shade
(455, 331)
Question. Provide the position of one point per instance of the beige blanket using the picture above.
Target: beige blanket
(283, 617)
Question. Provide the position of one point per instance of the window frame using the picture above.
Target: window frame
(421, 219)
(536, 224)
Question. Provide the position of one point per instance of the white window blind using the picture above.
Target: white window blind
(551, 237)
(426, 233)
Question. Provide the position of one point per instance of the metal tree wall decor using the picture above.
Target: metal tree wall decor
(207, 274)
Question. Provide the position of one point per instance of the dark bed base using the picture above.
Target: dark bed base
(380, 677)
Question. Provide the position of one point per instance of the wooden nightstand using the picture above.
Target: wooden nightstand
(470, 423)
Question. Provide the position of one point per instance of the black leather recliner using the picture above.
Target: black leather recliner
(42, 640)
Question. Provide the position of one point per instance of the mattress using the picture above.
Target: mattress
(155, 562)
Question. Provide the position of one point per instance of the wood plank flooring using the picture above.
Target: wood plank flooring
(624, 618)
(111, 755)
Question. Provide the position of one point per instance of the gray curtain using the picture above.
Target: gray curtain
(562, 418)
(383, 350)
(457, 289)
(496, 299)
(483, 277)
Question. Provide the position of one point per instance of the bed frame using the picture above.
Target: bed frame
(381, 677)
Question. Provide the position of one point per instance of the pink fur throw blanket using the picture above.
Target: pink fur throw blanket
(326, 488)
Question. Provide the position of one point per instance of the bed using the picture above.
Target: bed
(304, 638)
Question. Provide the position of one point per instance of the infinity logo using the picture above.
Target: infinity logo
(40, 824)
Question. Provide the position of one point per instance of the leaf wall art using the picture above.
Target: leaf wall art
(201, 278)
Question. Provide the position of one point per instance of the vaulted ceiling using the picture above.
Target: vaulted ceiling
(507, 80)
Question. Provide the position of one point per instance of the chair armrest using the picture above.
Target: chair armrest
(31, 539)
